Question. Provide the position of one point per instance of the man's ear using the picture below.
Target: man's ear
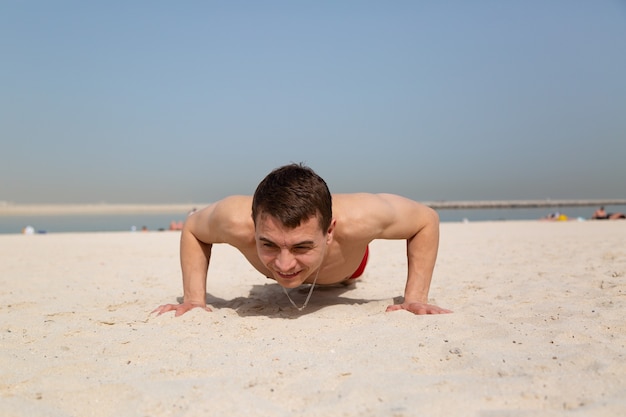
(331, 231)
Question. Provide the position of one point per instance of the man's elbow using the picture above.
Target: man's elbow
(431, 216)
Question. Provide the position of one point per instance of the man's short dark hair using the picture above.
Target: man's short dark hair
(292, 194)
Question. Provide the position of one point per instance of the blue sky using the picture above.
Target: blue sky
(190, 101)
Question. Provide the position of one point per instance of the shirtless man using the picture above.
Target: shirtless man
(294, 232)
(601, 214)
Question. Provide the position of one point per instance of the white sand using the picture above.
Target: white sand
(539, 329)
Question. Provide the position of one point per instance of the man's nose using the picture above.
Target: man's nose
(285, 261)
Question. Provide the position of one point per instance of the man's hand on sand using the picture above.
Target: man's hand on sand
(419, 308)
(414, 307)
(179, 309)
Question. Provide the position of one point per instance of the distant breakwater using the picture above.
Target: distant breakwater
(512, 204)
(9, 209)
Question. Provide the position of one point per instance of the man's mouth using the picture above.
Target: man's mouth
(288, 276)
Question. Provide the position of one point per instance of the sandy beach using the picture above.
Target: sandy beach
(538, 330)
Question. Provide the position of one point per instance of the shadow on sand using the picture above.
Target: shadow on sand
(269, 300)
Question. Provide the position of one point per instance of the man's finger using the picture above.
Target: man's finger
(181, 309)
(162, 309)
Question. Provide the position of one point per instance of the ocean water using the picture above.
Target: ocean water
(88, 223)
(156, 222)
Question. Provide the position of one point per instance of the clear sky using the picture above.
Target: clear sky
(190, 101)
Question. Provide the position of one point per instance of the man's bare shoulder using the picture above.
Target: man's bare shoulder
(363, 202)
(235, 204)
(226, 221)
(360, 215)
(386, 216)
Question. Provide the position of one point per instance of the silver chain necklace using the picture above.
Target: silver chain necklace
(308, 296)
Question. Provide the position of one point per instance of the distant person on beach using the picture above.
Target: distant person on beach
(601, 214)
(293, 231)
(556, 216)
(174, 225)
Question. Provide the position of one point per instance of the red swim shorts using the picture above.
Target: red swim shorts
(361, 268)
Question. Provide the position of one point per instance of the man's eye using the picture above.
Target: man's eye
(301, 249)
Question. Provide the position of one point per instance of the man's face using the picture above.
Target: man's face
(292, 255)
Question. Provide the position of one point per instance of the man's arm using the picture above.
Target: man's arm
(195, 254)
(419, 225)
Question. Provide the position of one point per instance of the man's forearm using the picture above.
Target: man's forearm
(194, 260)
(421, 257)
